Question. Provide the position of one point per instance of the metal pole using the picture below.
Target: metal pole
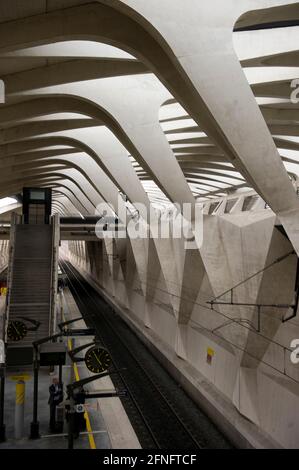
(259, 319)
(61, 320)
(34, 428)
(19, 409)
(2, 391)
(72, 374)
(60, 374)
(71, 424)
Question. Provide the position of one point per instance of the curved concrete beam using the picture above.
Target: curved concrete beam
(182, 47)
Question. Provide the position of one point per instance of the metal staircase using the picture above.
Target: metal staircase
(31, 278)
(32, 281)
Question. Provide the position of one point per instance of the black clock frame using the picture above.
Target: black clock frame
(103, 366)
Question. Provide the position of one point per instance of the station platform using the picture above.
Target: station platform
(108, 426)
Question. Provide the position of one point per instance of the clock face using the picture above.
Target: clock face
(97, 359)
(16, 330)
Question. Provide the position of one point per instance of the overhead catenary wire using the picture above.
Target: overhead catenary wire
(260, 335)
(277, 260)
(185, 299)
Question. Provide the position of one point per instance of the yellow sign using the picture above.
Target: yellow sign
(3, 290)
(23, 377)
(211, 352)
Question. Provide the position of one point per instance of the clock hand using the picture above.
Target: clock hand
(97, 358)
(16, 330)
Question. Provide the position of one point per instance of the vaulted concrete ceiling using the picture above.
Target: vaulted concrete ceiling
(162, 101)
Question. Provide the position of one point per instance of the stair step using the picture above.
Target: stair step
(31, 278)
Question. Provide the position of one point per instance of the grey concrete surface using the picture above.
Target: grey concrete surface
(48, 440)
(170, 102)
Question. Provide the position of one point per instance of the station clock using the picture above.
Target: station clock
(97, 359)
(16, 330)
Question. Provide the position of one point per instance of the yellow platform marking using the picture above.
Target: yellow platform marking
(86, 415)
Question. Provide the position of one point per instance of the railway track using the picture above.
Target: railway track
(163, 416)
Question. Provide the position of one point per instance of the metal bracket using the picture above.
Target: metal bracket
(72, 353)
(63, 324)
(82, 382)
(293, 306)
(32, 321)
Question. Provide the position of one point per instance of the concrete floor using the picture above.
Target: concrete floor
(48, 440)
(108, 421)
(119, 428)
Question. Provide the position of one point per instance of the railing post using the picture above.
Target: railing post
(34, 427)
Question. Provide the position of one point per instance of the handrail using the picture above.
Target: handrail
(52, 276)
(11, 251)
(54, 273)
(2, 313)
